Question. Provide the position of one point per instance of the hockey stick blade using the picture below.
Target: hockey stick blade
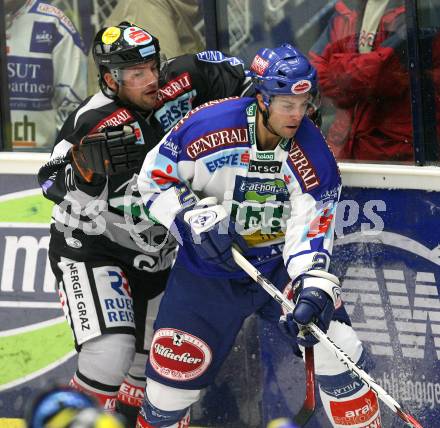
(256, 275)
(308, 408)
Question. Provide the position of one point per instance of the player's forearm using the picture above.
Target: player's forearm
(163, 206)
(163, 195)
(309, 238)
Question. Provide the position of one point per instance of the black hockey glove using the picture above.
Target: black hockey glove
(112, 151)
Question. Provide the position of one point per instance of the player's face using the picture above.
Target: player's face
(140, 85)
(286, 113)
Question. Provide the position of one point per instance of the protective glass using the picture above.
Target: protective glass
(140, 76)
(163, 65)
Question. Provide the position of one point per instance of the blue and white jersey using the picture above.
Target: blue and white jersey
(283, 201)
(47, 73)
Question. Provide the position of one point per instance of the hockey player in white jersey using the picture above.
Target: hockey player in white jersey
(257, 173)
(47, 71)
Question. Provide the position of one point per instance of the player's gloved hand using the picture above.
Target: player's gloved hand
(316, 294)
(112, 151)
(207, 227)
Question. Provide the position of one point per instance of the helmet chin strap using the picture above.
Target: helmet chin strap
(265, 114)
(106, 90)
(109, 93)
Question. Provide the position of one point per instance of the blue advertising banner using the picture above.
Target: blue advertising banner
(387, 255)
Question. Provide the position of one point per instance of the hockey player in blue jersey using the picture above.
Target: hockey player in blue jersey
(257, 173)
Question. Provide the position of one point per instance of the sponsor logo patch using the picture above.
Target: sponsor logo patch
(265, 156)
(200, 221)
(131, 394)
(77, 279)
(147, 51)
(331, 194)
(119, 283)
(175, 87)
(302, 165)
(301, 87)
(231, 159)
(217, 56)
(223, 137)
(170, 149)
(262, 190)
(175, 109)
(264, 166)
(77, 291)
(114, 296)
(30, 86)
(178, 355)
(110, 35)
(345, 390)
(354, 412)
(321, 224)
(136, 36)
(260, 208)
(109, 404)
(45, 37)
(117, 118)
(259, 65)
(245, 157)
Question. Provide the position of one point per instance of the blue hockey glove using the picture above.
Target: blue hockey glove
(316, 294)
(207, 227)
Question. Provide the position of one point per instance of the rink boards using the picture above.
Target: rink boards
(386, 252)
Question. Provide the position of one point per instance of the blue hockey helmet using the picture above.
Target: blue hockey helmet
(282, 71)
(54, 401)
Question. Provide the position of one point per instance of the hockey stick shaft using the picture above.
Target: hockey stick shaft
(256, 275)
(308, 407)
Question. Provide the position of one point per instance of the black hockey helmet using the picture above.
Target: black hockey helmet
(121, 46)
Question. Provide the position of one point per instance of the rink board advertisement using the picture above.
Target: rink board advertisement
(386, 253)
(35, 341)
(387, 256)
